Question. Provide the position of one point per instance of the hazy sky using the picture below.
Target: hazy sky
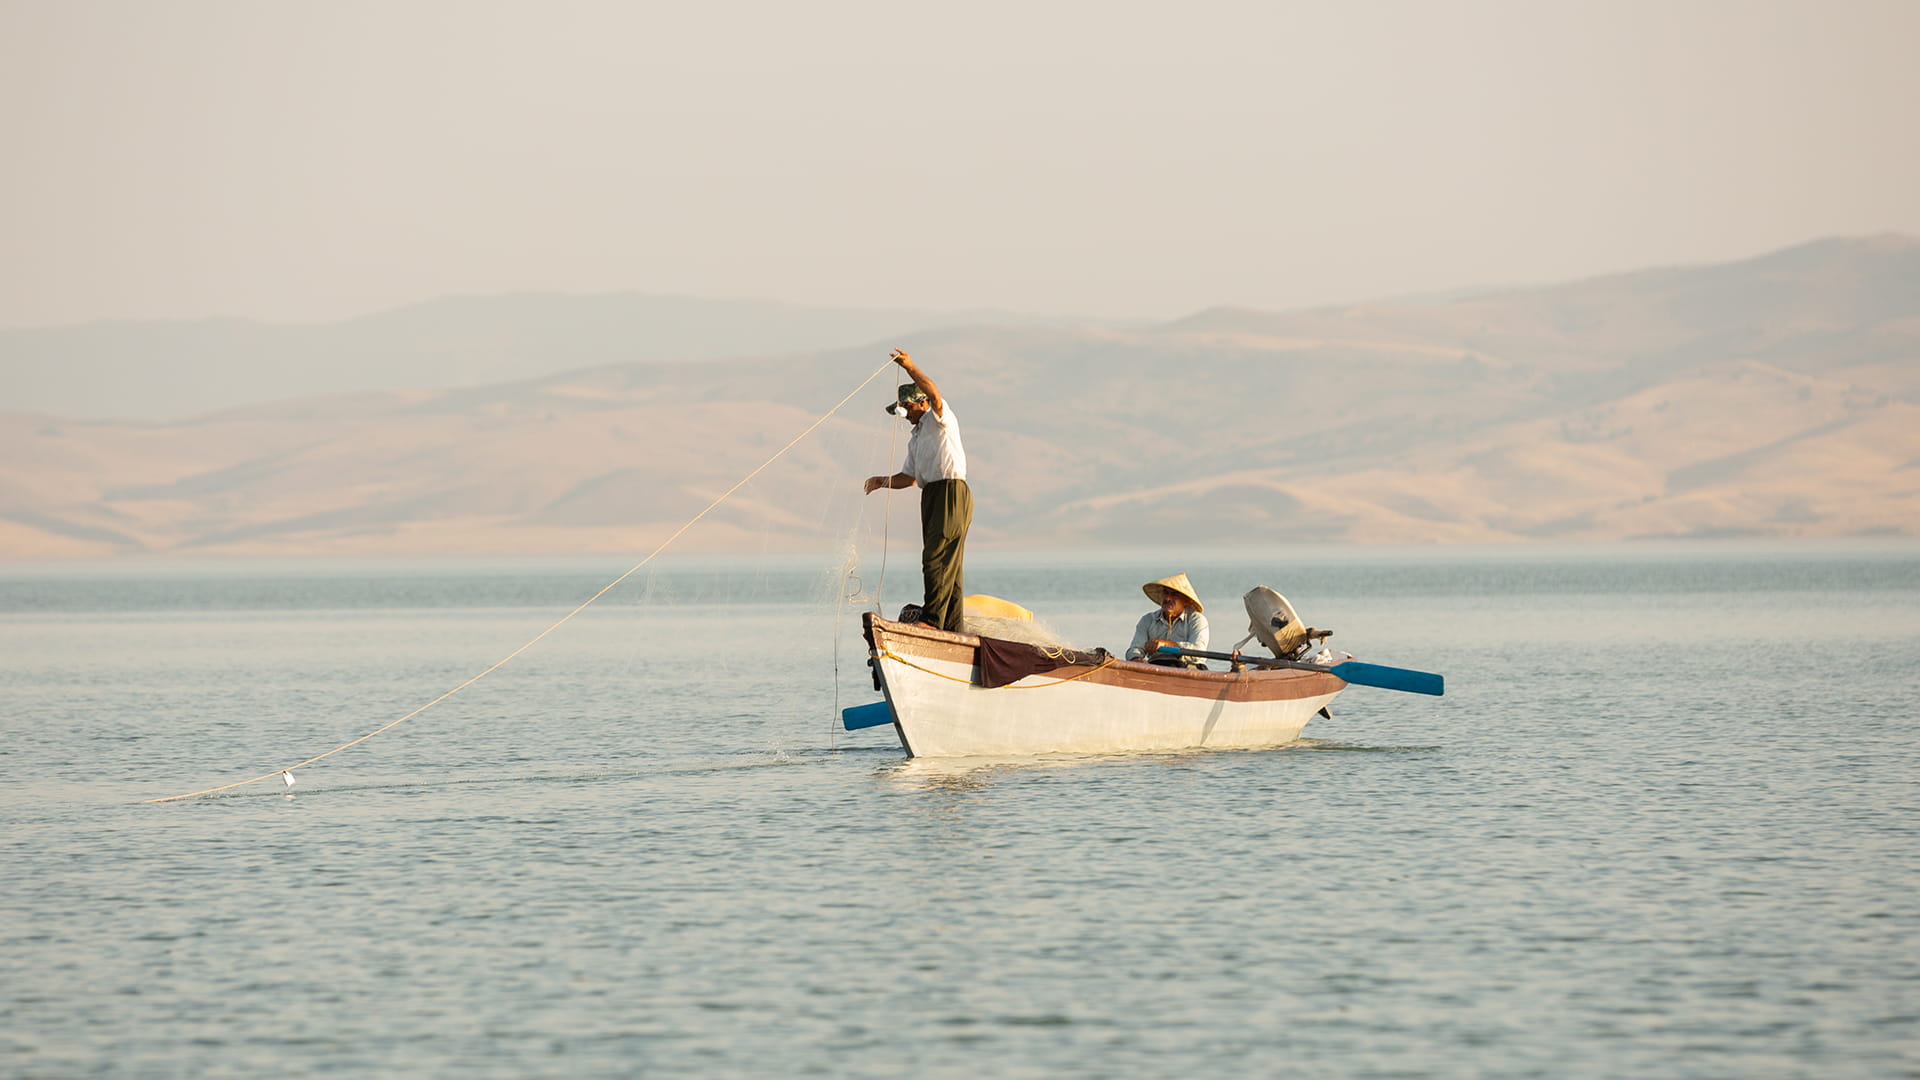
(316, 160)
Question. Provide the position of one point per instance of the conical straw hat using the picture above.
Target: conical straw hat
(1178, 583)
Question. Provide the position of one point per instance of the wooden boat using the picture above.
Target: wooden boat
(941, 700)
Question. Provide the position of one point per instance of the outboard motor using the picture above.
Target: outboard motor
(1272, 619)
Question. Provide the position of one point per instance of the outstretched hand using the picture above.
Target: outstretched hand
(899, 356)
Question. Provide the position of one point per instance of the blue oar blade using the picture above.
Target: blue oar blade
(866, 716)
(1391, 678)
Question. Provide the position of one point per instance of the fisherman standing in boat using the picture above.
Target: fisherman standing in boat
(1179, 621)
(937, 462)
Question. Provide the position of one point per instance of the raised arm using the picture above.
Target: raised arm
(920, 380)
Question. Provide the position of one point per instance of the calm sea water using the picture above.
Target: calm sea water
(1665, 823)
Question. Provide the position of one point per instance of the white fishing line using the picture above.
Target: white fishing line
(287, 771)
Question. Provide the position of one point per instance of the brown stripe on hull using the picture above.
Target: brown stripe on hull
(925, 643)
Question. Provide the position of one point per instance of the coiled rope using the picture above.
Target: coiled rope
(502, 662)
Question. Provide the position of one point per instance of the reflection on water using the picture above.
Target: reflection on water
(975, 773)
(978, 773)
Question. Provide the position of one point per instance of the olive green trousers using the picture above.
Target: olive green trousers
(946, 511)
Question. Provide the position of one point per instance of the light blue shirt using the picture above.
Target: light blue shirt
(1189, 631)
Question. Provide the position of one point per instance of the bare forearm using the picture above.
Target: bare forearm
(920, 379)
(897, 480)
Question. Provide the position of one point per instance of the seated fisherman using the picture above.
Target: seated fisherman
(1178, 622)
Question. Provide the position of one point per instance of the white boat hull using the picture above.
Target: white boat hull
(931, 682)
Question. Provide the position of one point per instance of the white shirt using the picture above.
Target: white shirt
(933, 450)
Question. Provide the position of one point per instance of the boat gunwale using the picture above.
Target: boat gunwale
(1248, 684)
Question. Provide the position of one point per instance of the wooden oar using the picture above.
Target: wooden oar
(1353, 671)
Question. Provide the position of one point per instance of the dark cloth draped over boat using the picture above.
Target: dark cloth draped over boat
(1003, 661)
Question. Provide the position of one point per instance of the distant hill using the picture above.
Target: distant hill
(175, 370)
(1777, 396)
